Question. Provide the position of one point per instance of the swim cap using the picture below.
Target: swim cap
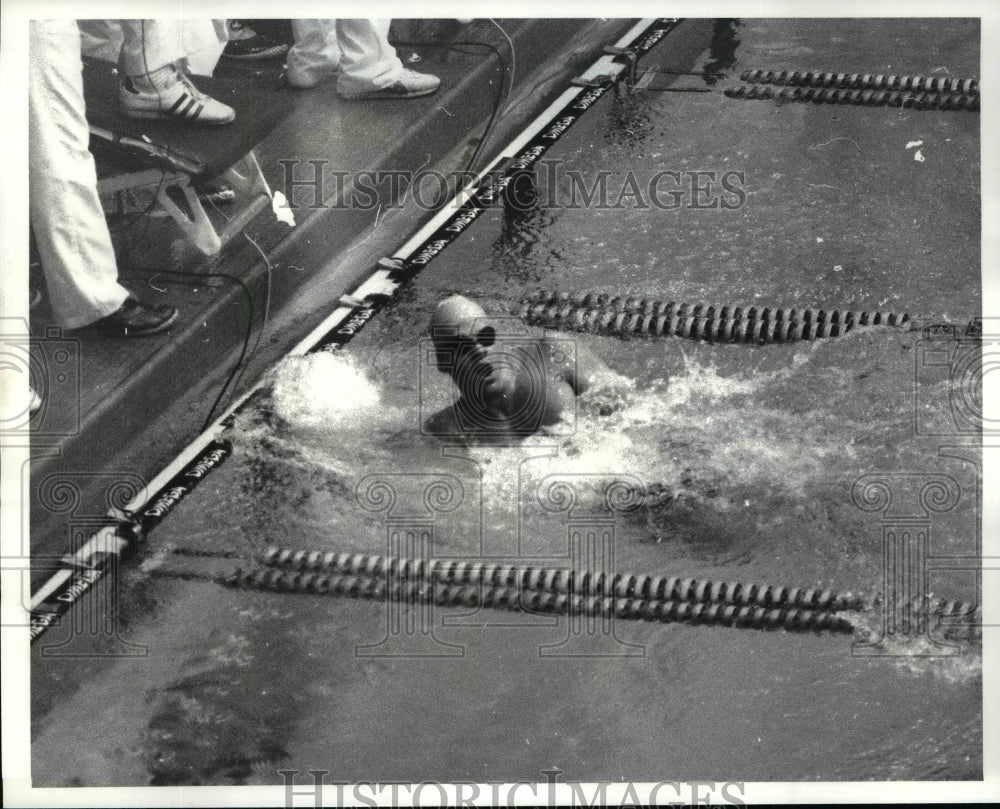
(456, 316)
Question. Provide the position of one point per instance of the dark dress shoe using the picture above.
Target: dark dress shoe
(133, 319)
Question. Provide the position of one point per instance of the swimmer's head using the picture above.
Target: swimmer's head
(456, 315)
(458, 325)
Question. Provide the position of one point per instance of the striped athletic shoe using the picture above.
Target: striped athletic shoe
(181, 101)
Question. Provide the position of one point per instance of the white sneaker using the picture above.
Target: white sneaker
(180, 101)
(410, 84)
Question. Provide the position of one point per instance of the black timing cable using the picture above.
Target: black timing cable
(185, 279)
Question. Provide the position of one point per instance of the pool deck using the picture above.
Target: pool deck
(138, 402)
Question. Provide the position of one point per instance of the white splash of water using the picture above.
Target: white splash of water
(323, 391)
(331, 414)
(695, 428)
(691, 434)
(954, 661)
(686, 434)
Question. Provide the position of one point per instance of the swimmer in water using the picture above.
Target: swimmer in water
(512, 381)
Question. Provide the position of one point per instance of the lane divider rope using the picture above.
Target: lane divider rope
(564, 580)
(512, 598)
(869, 98)
(461, 582)
(619, 585)
(602, 314)
(861, 81)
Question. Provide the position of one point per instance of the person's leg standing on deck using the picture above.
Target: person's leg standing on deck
(359, 51)
(77, 258)
(155, 83)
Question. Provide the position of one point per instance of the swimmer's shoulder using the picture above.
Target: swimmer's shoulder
(573, 361)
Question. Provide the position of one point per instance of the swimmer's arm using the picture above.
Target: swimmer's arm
(578, 371)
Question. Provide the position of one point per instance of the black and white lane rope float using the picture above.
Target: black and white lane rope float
(663, 599)
(642, 317)
(859, 89)
(861, 81)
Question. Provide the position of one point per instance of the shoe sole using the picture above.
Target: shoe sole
(381, 94)
(166, 116)
(300, 85)
(166, 324)
(93, 329)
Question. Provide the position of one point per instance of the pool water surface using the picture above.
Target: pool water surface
(768, 460)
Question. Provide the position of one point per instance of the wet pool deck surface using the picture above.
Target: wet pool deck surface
(761, 447)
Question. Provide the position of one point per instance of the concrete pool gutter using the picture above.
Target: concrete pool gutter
(131, 410)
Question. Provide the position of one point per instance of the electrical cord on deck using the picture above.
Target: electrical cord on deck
(202, 277)
(456, 46)
(260, 333)
(129, 221)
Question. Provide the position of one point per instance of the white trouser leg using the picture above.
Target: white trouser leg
(315, 54)
(72, 235)
(204, 42)
(101, 39)
(152, 44)
(367, 59)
